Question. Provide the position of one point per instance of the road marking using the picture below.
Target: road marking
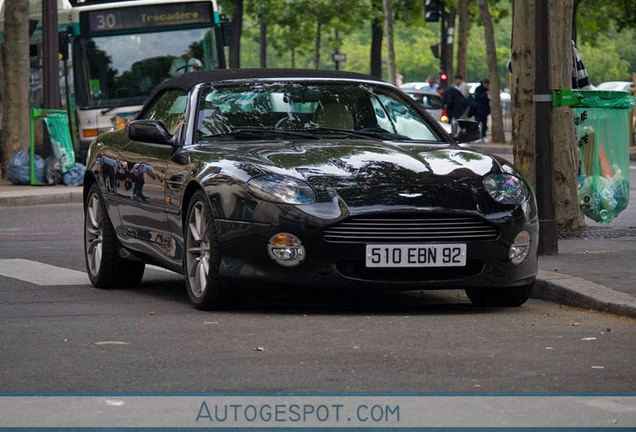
(41, 274)
(49, 275)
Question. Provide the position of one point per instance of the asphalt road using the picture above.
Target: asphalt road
(59, 334)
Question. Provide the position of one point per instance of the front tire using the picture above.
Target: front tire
(105, 268)
(500, 297)
(202, 259)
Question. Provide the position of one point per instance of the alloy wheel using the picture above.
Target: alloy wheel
(94, 225)
(198, 249)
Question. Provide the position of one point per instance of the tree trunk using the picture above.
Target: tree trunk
(15, 85)
(522, 87)
(388, 29)
(493, 73)
(564, 146)
(575, 8)
(376, 49)
(450, 35)
(462, 39)
(237, 27)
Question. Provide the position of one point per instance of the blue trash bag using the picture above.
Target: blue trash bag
(75, 175)
(20, 168)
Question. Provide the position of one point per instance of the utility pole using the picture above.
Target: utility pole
(263, 43)
(50, 56)
(544, 163)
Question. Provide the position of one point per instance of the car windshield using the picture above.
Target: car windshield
(317, 109)
(123, 69)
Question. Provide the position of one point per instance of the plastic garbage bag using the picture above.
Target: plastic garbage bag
(602, 199)
(57, 126)
(602, 128)
(75, 175)
(19, 170)
(53, 170)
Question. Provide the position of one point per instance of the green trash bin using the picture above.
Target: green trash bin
(602, 131)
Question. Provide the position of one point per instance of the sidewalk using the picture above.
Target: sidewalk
(594, 268)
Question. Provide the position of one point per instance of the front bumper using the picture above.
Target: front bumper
(341, 265)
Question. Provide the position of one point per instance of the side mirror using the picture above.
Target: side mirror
(466, 131)
(152, 131)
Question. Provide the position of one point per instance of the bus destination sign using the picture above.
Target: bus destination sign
(145, 17)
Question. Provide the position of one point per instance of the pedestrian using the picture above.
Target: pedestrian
(432, 84)
(455, 103)
(482, 107)
(462, 86)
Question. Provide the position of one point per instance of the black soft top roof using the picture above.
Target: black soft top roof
(186, 81)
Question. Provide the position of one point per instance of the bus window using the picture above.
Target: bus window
(122, 69)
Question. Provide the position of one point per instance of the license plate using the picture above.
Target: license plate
(416, 255)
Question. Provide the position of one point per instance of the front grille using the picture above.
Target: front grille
(410, 230)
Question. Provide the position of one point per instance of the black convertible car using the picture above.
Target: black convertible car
(265, 178)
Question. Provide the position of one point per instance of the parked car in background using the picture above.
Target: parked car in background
(615, 85)
(269, 178)
(430, 100)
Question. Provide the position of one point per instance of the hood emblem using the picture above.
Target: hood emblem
(410, 195)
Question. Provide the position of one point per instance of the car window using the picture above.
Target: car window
(309, 107)
(170, 108)
(402, 119)
(428, 101)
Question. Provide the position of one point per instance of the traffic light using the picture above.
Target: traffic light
(433, 10)
(443, 79)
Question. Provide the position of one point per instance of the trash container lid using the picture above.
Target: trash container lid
(593, 99)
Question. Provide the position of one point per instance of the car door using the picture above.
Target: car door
(143, 211)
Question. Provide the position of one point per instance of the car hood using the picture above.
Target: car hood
(361, 172)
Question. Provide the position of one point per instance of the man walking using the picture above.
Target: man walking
(482, 108)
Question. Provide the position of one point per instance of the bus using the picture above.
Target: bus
(113, 53)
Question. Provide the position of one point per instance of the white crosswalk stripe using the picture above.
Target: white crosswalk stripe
(49, 275)
(41, 274)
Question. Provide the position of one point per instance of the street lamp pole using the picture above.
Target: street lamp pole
(544, 163)
(50, 56)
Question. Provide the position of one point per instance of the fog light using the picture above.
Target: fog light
(520, 248)
(286, 249)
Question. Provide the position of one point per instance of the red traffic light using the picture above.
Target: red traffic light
(443, 76)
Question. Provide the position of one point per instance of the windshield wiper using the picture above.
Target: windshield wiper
(259, 132)
(352, 133)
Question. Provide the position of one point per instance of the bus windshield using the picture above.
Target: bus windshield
(120, 70)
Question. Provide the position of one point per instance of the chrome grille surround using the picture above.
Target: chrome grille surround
(406, 229)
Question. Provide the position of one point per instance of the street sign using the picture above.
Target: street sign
(339, 57)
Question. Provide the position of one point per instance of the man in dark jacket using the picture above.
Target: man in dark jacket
(482, 108)
(455, 103)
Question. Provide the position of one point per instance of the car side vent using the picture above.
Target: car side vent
(410, 230)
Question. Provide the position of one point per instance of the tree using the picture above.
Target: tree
(522, 87)
(493, 73)
(564, 147)
(15, 85)
(388, 30)
(376, 38)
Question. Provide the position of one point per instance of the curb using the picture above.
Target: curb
(574, 291)
(27, 196)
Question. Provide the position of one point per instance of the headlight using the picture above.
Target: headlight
(506, 189)
(281, 189)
